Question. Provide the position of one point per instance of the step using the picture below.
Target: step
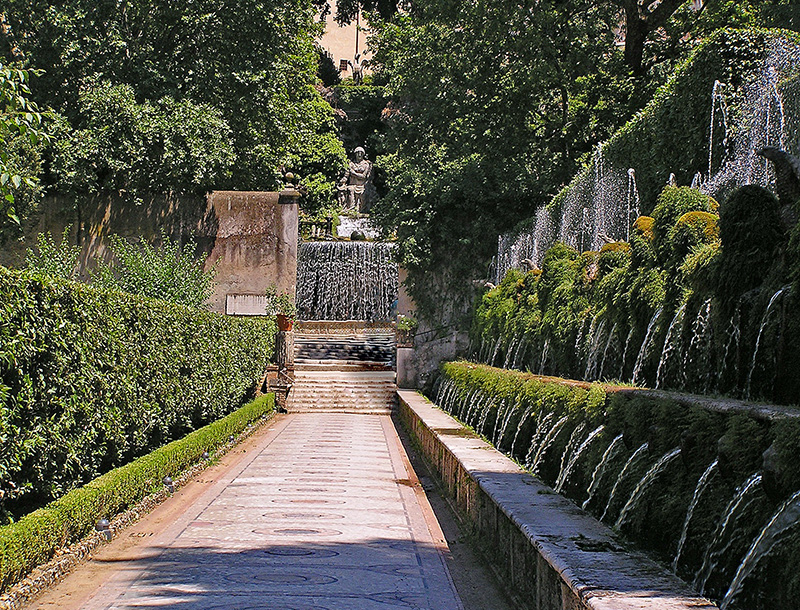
(348, 388)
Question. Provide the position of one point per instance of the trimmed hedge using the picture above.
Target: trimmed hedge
(670, 135)
(521, 414)
(33, 540)
(91, 379)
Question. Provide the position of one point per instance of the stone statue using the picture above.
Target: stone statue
(356, 185)
(787, 183)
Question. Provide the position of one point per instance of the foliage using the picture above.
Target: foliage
(407, 323)
(90, 379)
(665, 137)
(327, 70)
(37, 536)
(280, 303)
(669, 235)
(665, 310)
(21, 131)
(226, 89)
(56, 260)
(465, 168)
(132, 148)
(170, 272)
(752, 233)
(363, 126)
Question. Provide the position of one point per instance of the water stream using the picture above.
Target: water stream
(642, 486)
(702, 483)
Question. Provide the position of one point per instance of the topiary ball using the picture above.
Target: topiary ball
(674, 202)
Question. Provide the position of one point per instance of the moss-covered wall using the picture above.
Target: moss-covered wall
(543, 422)
(700, 299)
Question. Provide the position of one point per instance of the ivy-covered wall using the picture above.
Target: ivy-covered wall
(671, 134)
(700, 299)
(638, 461)
(90, 380)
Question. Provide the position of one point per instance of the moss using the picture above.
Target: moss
(613, 256)
(700, 267)
(741, 447)
(751, 233)
(644, 227)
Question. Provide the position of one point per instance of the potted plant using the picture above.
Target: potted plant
(406, 325)
(281, 305)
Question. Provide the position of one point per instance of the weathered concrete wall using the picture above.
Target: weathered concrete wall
(255, 243)
(250, 236)
(548, 553)
(431, 345)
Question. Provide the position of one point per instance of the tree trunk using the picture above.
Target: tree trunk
(636, 31)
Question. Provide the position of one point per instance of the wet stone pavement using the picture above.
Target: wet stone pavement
(324, 514)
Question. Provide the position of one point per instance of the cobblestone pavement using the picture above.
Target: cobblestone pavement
(324, 513)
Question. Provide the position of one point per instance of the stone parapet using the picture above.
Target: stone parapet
(549, 554)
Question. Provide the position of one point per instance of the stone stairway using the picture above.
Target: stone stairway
(344, 367)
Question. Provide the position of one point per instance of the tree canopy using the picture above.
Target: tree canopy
(20, 134)
(495, 105)
(176, 95)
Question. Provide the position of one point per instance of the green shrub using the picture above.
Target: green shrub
(170, 272)
(693, 229)
(36, 537)
(54, 260)
(90, 379)
(751, 232)
(673, 203)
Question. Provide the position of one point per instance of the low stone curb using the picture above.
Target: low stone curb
(550, 554)
(68, 558)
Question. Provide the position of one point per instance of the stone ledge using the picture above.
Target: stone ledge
(550, 554)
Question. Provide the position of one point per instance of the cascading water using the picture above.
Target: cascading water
(644, 484)
(611, 336)
(635, 456)
(346, 281)
(721, 539)
(548, 440)
(522, 421)
(764, 322)
(763, 123)
(597, 475)
(572, 444)
(545, 351)
(498, 441)
(633, 203)
(698, 491)
(643, 351)
(670, 345)
(594, 352)
(563, 476)
(786, 517)
(718, 101)
(696, 359)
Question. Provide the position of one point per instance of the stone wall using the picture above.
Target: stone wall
(549, 554)
(251, 237)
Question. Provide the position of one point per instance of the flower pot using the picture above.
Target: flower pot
(284, 322)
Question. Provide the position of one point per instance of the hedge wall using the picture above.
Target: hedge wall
(90, 380)
(559, 422)
(35, 537)
(670, 135)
